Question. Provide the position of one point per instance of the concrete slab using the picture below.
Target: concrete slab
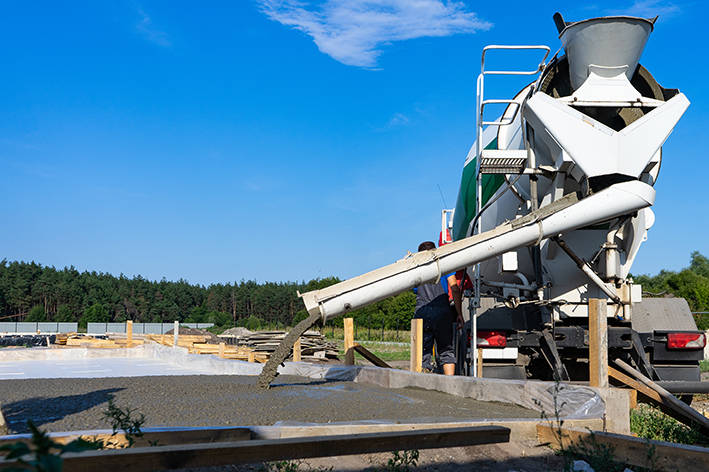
(572, 402)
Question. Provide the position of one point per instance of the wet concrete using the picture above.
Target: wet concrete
(211, 400)
(270, 370)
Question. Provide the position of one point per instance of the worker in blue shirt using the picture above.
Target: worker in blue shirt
(434, 308)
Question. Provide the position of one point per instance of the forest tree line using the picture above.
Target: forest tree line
(690, 283)
(32, 292)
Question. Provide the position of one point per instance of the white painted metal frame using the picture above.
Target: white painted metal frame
(480, 124)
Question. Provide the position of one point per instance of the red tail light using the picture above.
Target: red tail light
(686, 340)
(492, 339)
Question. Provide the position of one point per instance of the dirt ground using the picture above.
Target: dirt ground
(518, 456)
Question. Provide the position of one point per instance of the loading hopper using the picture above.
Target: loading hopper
(609, 42)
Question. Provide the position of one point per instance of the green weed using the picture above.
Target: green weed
(121, 420)
(599, 456)
(402, 461)
(650, 423)
(285, 466)
(289, 466)
(42, 454)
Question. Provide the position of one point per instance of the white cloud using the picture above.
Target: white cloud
(649, 9)
(398, 119)
(354, 31)
(149, 31)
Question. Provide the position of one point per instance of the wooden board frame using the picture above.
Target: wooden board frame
(628, 449)
(143, 459)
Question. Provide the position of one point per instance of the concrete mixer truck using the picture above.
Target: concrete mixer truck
(553, 206)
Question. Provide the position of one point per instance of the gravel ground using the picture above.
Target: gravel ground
(209, 400)
(516, 456)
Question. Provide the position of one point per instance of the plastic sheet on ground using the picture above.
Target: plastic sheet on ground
(205, 363)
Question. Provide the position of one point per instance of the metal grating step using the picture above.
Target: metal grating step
(496, 161)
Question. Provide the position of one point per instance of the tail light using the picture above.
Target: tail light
(686, 340)
(490, 339)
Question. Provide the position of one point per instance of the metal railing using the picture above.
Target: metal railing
(480, 124)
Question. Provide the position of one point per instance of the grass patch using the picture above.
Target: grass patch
(364, 335)
(388, 352)
(650, 423)
(384, 351)
(704, 365)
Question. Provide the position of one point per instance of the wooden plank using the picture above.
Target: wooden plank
(349, 341)
(124, 336)
(221, 350)
(296, 351)
(161, 436)
(99, 345)
(143, 459)
(598, 342)
(669, 403)
(91, 342)
(129, 333)
(628, 449)
(191, 338)
(416, 345)
(124, 342)
(634, 384)
(364, 352)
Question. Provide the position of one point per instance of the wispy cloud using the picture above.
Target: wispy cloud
(149, 31)
(398, 119)
(649, 9)
(354, 31)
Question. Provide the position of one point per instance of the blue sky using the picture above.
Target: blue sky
(279, 140)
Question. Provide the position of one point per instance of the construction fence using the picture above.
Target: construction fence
(140, 328)
(92, 328)
(33, 328)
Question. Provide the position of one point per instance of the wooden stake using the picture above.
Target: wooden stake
(416, 345)
(129, 334)
(252, 356)
(598, 342)
(221, 350)
(480, 362)
(296, 351)
(349, 341)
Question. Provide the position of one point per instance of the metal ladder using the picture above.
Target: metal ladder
(496, 161)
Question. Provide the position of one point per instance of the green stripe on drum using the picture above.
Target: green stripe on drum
(465, 206)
